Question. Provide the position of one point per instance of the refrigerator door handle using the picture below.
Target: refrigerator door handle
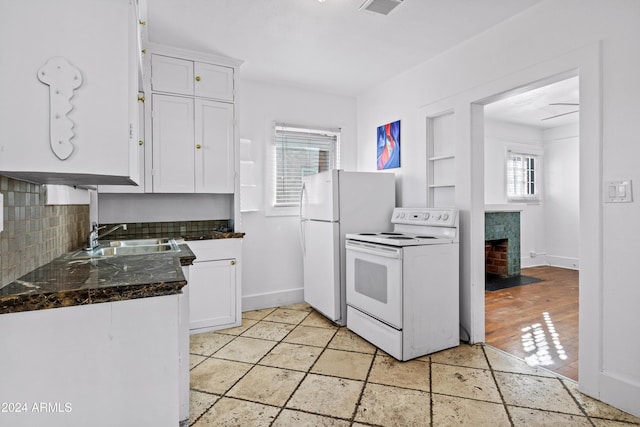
(302, 219)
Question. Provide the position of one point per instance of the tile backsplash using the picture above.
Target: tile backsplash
(137, 230)
(35, 233)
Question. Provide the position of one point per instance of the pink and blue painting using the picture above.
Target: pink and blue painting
(389, 146)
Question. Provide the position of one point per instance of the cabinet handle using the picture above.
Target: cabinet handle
(140, 98)
(141, 142)
(144, 51)
(233, 262)
(198, 146)
(197, 78)
(143, 23)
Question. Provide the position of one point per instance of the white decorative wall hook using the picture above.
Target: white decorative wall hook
(62, 78)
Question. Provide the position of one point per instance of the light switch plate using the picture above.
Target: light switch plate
(618, 192)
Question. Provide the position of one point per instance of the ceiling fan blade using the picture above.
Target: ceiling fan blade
(559, 115)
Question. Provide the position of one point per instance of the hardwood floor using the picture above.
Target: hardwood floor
(537, 322)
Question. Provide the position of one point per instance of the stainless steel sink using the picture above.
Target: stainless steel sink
(129, 247)
(140, 242)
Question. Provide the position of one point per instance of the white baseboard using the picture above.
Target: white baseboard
(563, 262)
(540, 260)
(272, 299)
(550, 260)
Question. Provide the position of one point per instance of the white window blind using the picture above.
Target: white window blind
(523, 172)
(300, 151)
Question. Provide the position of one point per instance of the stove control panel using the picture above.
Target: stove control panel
(441, 217)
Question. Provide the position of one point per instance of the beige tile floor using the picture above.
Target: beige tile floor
(289, 366)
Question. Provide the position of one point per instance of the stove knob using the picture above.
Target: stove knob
(426, 216)
(445, 217)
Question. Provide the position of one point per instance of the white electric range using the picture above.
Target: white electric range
(402, 286)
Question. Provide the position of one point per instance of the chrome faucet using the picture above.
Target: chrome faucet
(94, 237)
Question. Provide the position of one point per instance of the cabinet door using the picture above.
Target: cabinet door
(139, 158)
(214, 157)
(173, 144)
(213, 81)
(94, 38)
(171, 75)
(212, 293)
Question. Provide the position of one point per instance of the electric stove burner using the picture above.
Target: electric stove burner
(414, 227)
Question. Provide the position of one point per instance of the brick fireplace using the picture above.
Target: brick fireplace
(502, 243)
(495, 257)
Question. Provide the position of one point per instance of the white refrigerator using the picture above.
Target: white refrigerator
(332, 204)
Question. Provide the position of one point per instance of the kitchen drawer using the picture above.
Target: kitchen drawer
(214, 249)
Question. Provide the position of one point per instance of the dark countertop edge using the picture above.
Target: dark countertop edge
(43, 301)
(186, 255)
(214, 235)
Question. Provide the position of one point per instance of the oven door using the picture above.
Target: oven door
(374, 280)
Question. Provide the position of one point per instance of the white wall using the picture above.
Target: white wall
(272, 272)
(562, 196)
(163, 207)
(598, 40)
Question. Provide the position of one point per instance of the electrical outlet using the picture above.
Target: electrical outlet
(532, 254)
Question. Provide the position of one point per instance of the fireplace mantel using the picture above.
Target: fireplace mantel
(507, 207)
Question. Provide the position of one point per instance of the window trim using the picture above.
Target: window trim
(271, 166)
(538, 180)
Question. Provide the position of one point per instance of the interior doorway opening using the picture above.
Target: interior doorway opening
(531, 188)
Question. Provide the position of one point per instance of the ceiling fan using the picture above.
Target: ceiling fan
(563, 114)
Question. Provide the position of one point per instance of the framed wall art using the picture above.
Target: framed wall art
(388, 142)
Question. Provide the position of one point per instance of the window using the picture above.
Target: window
(298, 151)
(523, 176)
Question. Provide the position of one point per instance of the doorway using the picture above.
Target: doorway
(531, 185)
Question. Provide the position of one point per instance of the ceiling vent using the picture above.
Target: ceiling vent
(382, 7)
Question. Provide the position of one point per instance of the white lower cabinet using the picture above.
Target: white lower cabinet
(99, 365)
(214, 285)
(213, 296)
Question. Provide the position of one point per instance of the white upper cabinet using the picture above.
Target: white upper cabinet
(213, 81)
(193, 122)
(193, 78)
(193, 145)
(214, 157)
(139, 156)
(69, 88)
(173, 144)
(171, 75)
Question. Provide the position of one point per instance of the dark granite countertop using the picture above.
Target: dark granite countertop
(214, 235)
(67, 281)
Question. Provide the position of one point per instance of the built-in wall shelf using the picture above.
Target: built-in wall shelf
(441, 164)
(436, 158)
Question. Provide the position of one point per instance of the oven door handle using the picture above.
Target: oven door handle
(378, 250)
